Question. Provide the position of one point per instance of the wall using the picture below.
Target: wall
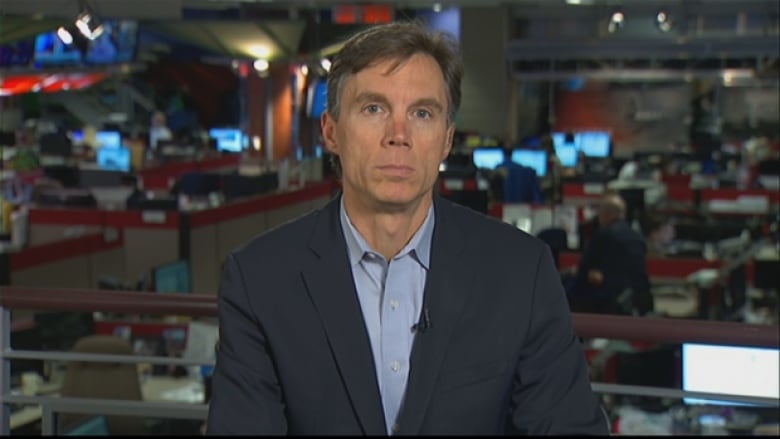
(640, 116)
(484, 101)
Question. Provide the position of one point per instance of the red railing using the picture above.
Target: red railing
(649, 329)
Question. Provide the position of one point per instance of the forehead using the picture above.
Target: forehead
(418, 72)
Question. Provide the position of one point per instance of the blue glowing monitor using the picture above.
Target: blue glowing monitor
(487, 158)
(730, 370)
(317, 99)
(114, 159)
(228, 139)
(173, 278)
(533, 158)
(108, 139)
(93, 426)
(567, 153)
(594, 143)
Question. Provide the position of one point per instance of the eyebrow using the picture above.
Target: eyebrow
(378, 97)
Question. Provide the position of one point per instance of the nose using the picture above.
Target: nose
(397, 131)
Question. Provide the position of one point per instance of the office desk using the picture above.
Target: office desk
(153, 389)
(171, 389)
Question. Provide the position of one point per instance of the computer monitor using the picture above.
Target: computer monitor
(174, 277)
(566, 148)
(730, 370)
(55, 144)
(199, 183)
(533, 158)
(92, 426)
(595, 144)
(317, 98)
(487, 158)
(113, 159)
(228, 139)
(108, 139)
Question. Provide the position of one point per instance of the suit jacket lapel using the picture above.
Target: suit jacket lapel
(332, 290)
(446, 289)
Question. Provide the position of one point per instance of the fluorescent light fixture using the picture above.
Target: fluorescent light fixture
(664, 21)
(89, 26)
(325, 63)
(64, 36)
(261, 65)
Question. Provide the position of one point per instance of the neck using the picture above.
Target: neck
(387, 231)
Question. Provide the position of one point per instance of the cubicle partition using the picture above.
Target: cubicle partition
(162, 177)
(76, 248)
(215, 232)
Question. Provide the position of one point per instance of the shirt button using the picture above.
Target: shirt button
(393, 304)
(395, 366)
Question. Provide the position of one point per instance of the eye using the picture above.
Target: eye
(423, 114)
(372, 108)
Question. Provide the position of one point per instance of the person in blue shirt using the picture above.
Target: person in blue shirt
(520, 182)
(391, 310)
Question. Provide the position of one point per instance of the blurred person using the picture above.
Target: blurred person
(390, 309)
(518, 183)
(613, 262)
(659, 235)
(158, 130)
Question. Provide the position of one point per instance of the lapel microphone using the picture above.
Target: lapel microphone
(424, 323)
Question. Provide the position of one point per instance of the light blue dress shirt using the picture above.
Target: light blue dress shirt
(391, 295)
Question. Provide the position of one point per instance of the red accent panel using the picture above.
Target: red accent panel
(679, 193)
(134, 219)
(67, 249)
(66, 216)
(660, 267)
(138, 329)
(733, 194)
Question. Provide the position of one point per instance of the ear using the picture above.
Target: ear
(328, 128)
(448, 142)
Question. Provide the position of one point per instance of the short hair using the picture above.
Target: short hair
(396, 41)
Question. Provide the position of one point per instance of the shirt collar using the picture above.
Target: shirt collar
(419, 245)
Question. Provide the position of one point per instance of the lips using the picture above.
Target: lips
(398, 170)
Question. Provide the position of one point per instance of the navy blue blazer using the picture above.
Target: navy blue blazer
(500, 357)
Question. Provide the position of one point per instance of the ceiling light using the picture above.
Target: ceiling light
(325, 63)
(437, 7)
(89, 25)
(261, 65)
(664, 21)
(616, 21)
(65, 36)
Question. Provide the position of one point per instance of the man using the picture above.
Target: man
(612, 270)
(520, 183)
(391, 311)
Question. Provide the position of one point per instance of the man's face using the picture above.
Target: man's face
(391, 134)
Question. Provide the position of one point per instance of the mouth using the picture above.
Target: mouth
(396, 170)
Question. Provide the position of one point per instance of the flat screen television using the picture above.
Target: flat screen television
(487, 157)
(228, 139)
(50, 50)
(533, 158)
(108, 139)
(113, 159)
(117, 44)
(731, 370)
(173, 277)
(594, 144)
(17, 54)
(317, 98)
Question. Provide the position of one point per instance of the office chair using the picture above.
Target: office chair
(103, 380)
